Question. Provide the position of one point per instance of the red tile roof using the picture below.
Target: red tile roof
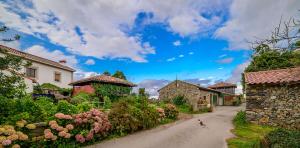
(34, 58)
(288, 75)
(221, 85)
(104, 79)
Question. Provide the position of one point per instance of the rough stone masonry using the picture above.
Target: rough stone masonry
(275, 105)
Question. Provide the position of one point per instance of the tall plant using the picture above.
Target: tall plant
(12, 82)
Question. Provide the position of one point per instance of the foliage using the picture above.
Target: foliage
(49, 86)
(107, 103)
(185, 108)
(282, 138)
(13, 110)
(133, 114)
(124, 117)
(77, 129)
(114, 92)
(171, 111)
(247, 135)
(240, 119)
(80, 97)
(66, 108)
(266, 58)
(119, 74)
(47, 106)
(12, 82)
(107, 73)
(84, 106)
(179, 100)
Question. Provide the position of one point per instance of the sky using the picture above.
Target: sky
(152, 42)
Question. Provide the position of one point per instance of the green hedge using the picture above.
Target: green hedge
(283, 138)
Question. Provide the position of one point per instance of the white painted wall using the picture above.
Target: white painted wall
(45, 74)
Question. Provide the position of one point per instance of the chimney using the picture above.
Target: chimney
(62, 62)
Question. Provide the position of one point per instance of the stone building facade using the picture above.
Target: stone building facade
(199, 97)
(273, 97)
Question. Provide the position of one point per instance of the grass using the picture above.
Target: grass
(248, 135)
(185, 108)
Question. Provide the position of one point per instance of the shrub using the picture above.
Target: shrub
(179, 100)
(240, 118)
(107, 103)
(47, 106)
(124, 117)
(81, 97)
(150, 117)
(171, 111)
(84, 106)
(66, 108)
(282, 138)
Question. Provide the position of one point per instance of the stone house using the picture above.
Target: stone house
(228, 92)
(42, 70)
(273, 97)
(85, 85)
(199, 97)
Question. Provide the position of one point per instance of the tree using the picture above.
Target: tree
(119, 74)
(106, 73)
(12, 82)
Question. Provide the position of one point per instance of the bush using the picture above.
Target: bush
(179, 100)
(66, 108)
(107, 103)
(124, 117)
(171, 111)
(150, 117)
(47, 106)
(27, 109)
(282, 138)
(81, 97)
(240, 118)
(84, 106)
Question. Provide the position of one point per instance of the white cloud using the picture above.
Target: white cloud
(191, 53)
(181, 56)
(177, 43)
(236, 73)
(80, 74)
(55, 55)
(98, 28)
(220, 68)
(225, 61)
(90, 62)
(251, 19)
(223, 55)
(171, 59)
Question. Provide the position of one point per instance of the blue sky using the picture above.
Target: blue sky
(152, 42)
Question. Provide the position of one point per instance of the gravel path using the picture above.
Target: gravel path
(182, 134)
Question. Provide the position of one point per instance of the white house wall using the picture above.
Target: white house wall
(45, 74)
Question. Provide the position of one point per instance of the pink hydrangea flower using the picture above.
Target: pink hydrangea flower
(48, 135)
(6, 142)
(59, 115)
(60, 128)
(68, 135)
(70, 127)
(80, 138)
(62, 134)
(89, 136)
(52, 122)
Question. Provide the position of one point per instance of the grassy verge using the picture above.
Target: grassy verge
(185, 108)
(247, 135)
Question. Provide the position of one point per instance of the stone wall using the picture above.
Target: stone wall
(277, 105)
(198, 98)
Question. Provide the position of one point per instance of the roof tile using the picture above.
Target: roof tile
(104, 79)
(288, 75)
(35, 58)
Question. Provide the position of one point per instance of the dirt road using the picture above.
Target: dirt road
(182, 134)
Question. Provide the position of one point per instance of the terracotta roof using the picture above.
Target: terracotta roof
(34, 58)
(104, 79)
(221, 85)
(289, 75)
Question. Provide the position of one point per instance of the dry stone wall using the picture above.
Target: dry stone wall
(277, 105)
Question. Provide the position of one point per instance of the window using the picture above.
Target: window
(57, 76)
(31, 72)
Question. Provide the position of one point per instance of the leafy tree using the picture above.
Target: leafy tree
(119, 74)
(12, 82)
(106, 73)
